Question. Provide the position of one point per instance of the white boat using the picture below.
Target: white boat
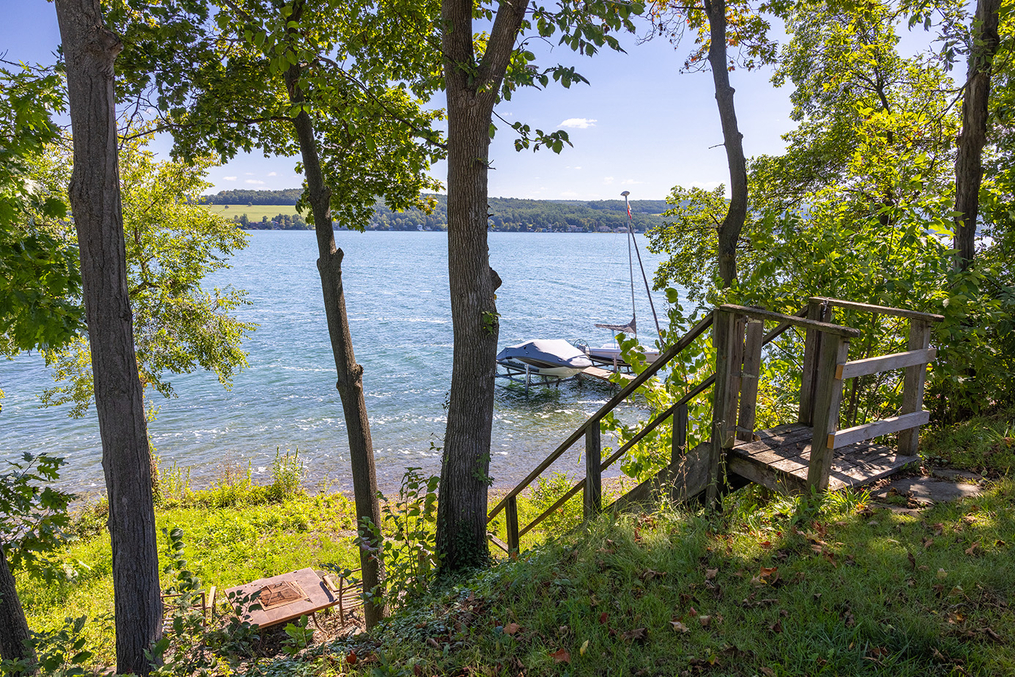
(544, 357)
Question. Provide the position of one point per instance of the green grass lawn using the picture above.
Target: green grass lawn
(254, 212)
(769, 585)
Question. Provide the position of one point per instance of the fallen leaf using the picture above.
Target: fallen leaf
(433, 642)
(927, 542)
(351, 658)
(711, 574)
(585, 647)
(993, 635)
(649, 574)
(767, 571)
(850, 619)
(939, 529)
(912, 560)
(776, 627)
(561, 656)
(602, 618)
(416, 670)
(768, 672)
(511, 628)
(705, 621)
(679, 627)
(636, 635)
(971, 550)
(878, 652)
(692, 612)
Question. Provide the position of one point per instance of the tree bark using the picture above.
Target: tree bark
(90, 51)
(13, 624)
(733, 224)
(968, 162)
(471, 93)
(350, 374)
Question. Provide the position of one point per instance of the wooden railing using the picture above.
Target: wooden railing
(590, 430)
(914, 361)
(739, 339)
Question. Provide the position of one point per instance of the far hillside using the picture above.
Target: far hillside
(267, 209)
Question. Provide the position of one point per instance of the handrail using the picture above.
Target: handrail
(795, 320)
(880, 310)
(635, 383)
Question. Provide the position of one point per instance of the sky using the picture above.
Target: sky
(640, 125)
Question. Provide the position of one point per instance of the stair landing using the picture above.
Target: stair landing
(779, 458)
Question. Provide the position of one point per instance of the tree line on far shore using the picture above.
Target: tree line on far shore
(506, 214)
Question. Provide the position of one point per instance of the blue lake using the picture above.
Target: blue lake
(555, 286)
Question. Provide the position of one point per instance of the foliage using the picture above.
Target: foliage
(39, 278)
(33, 514)
(287, 473)
(409, 549)
(748, 44)
(791, 586)
(172, 245)
(549, 490)
(687, 370)
(61, 652)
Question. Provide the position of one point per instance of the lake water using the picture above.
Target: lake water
(555, 286)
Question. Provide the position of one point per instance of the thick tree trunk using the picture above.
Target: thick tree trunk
(90, 50)
(350, 374)
(968, 162)
(471, 92)
(13, 625)
(733, 224)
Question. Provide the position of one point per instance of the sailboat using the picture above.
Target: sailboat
(609, 355)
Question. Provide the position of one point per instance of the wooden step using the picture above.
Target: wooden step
(779, 460)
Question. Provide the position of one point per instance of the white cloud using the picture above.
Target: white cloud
(629, 182)
(272, 174)
(705, 185)
(607, 180)
(578, 123)
(254, 182)
(569, 193)
(228, 178)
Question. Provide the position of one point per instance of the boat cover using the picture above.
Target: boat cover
(549, 352)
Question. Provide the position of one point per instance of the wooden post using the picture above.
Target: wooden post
(749, 380)
(593, 470)
(827, 398)
(511, 510)
(912, 390)
(728, 343)
(678, 445)
(819, 311)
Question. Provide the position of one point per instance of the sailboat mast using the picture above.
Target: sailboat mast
(630, 267)
(648, 291)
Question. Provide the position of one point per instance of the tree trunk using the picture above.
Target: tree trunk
(733, 224)
(471, 93)
(90, 50)
(350, 374)
(13, 625)
(968, 162)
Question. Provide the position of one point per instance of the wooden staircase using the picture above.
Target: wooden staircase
(811, 454)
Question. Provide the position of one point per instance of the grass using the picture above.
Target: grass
(768, 586)
(253, 212)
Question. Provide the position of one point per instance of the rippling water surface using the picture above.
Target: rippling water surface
(555, 286)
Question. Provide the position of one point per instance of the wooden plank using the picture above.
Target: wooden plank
(593, 503)
(799, 433)
(749, 380)
(678, 439)
(869, 431)
(761, 314)
(315, 596)
(626, 392)
(874, 365)
(817, 311)
(827, 398)
(605, 375)
(913, 385)
(880, 310)
(500, 544)
(765, 475)
(513, 538)
(722, 339)
(783, 326)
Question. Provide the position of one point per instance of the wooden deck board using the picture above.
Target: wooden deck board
(604, 374)
(779, 459)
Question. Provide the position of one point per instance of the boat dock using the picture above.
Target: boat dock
(605, 374)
